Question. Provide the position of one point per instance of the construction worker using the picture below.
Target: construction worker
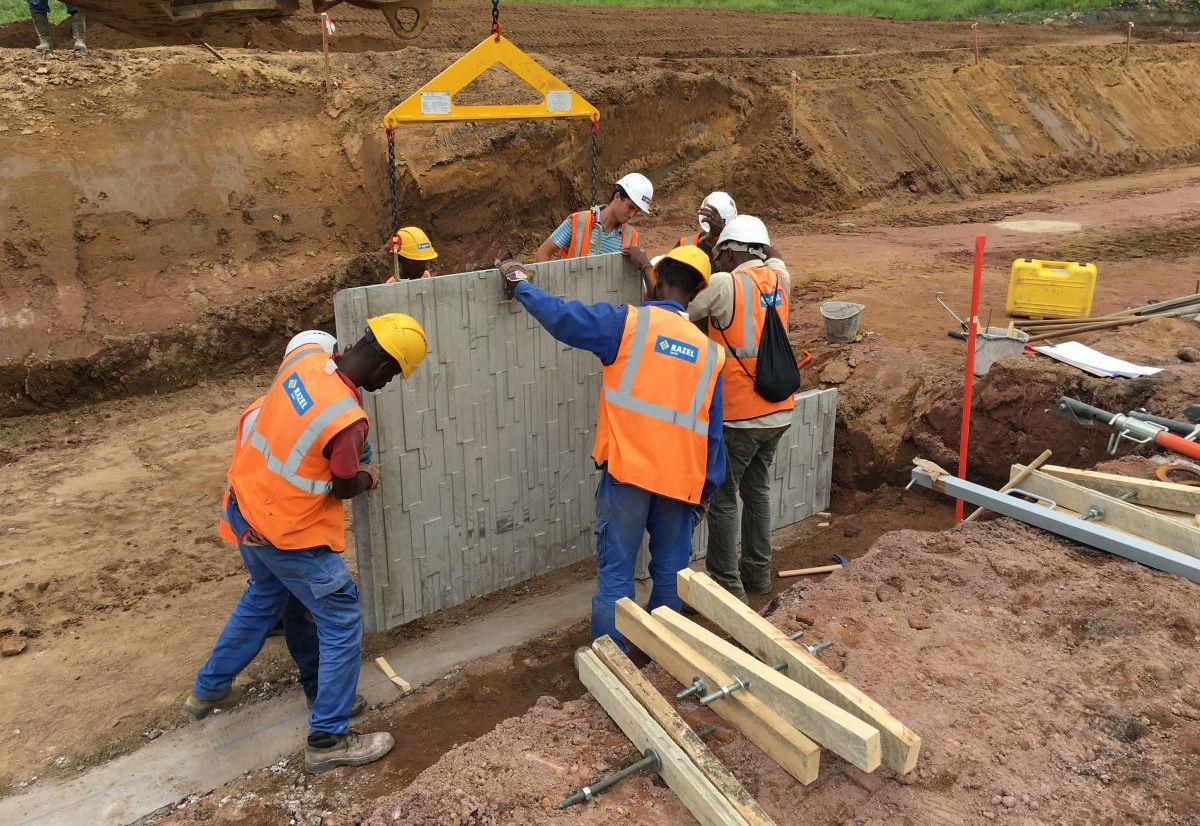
(297, 627)
(716, 210)
(597, 231)
(751, 276)
(39, 12)
(658, 431)
(411, 252)
(298, 459)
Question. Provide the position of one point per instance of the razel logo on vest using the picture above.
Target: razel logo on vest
(297, 394)
(771, 299)
(676, 349)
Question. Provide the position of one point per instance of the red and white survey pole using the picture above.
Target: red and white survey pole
(964, 438)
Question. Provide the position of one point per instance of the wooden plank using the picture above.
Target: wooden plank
(1042, 458)
(679, 731)
(703, 800)
(1151, 493)
(1122, 516)
(845, 735)
(763, 727)
(898, 745)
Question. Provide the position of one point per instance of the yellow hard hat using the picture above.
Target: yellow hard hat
(414, 244)
(693, 256)
(402, 337)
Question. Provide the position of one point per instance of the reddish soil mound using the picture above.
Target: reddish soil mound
(1050, 684)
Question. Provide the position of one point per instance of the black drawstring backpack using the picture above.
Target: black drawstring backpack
(777, 376)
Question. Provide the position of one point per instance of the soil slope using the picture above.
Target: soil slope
(1050, 684)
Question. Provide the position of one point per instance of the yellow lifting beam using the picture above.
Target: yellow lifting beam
(434, 102)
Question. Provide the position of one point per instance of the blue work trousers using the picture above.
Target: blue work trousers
(624, 513)
(320, 581)
(43, 6)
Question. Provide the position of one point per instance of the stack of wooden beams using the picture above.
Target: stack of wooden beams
(789, 713)
(1162, 512)
(1063, 328)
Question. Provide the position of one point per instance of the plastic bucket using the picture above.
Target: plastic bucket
(994, 344)
(841, 321)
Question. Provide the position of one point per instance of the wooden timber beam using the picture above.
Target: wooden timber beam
(798, 755)
(703, 800)
(837, 730)
(1118, 515)
(679, 731)
(1150, 492)
(899, 746)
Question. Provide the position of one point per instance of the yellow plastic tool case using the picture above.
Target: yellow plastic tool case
(1050, 289)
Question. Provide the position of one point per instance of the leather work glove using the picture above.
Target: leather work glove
(513, 272)
(701, 512)
(364, 458)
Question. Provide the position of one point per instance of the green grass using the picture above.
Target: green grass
(11, 10)
(898, 9)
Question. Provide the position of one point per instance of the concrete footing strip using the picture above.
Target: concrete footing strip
(198, 758)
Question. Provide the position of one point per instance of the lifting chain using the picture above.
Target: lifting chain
(391, 139)
(496, 18)
(595, 155)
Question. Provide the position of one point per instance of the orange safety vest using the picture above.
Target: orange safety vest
(279, 473)
(693, 241)
(753, 288)
(223, 528)
(652, 429)
(582, 224)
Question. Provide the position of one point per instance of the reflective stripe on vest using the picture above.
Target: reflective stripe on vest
(582, 225)
(746, 291)
(623, 396)
(685, 241)
(287, 470)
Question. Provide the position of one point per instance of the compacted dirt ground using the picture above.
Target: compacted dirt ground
(171, 218)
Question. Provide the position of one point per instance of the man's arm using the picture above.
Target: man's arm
(596, 328)
(715, 300)
(344, 451)
(558, 240)
(715, 475)
(546, 251)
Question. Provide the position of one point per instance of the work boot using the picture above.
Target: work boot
(359, 706)
(328, 751)
(41, 25)
(78, 30)
(198, 709)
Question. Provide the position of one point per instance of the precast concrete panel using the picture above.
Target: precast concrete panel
(485, 453)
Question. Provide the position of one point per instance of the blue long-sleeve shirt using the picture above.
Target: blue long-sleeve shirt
(598, 328)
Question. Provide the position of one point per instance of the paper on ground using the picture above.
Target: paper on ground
(1072, 352)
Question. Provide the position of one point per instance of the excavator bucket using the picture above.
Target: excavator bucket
(407, 18)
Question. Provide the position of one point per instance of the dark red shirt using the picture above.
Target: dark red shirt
(345, 449)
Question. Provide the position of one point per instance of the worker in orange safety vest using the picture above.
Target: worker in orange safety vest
(751, 276)
(597, 231)
(716, 210)
(297, 460)
(658, 431)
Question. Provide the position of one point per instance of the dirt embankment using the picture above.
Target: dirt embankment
(1049, 684)
(197, 183)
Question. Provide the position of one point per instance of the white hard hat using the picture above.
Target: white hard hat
(639, 189)
(745, 229)
(722, 203)
(327, 342)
